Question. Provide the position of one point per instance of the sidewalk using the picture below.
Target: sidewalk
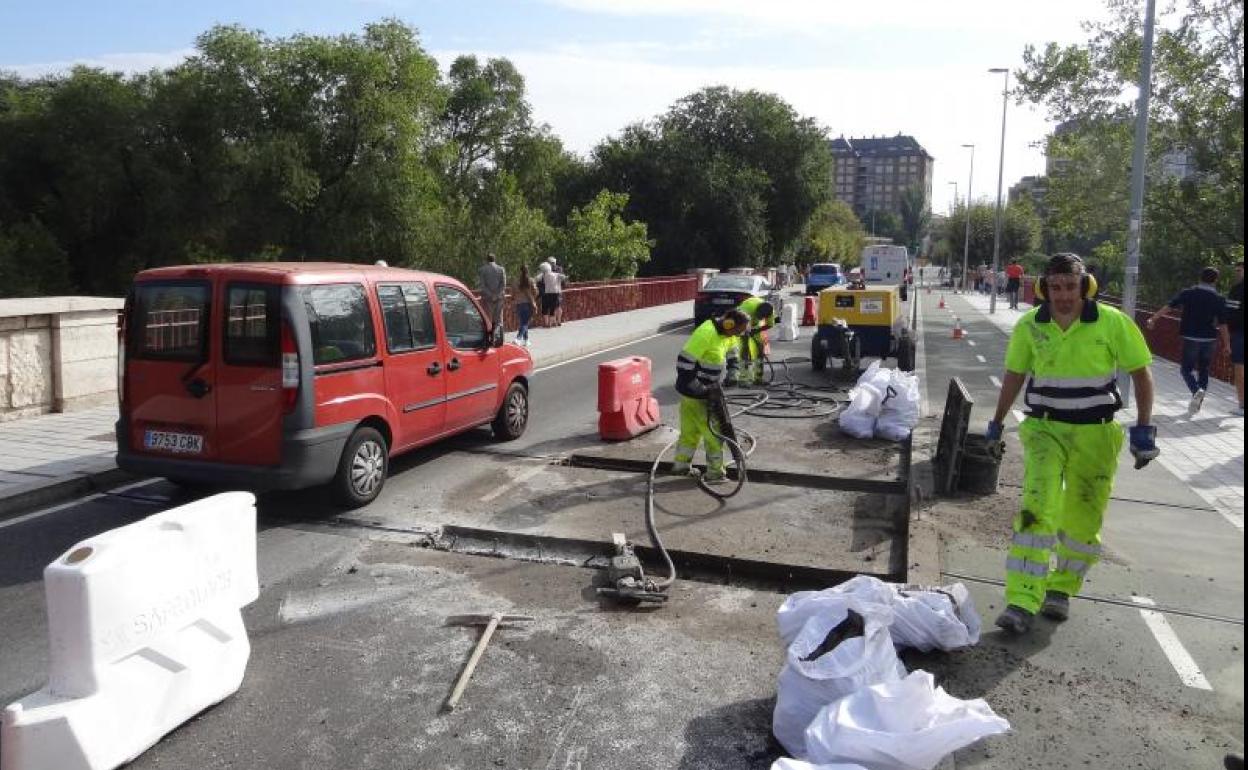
(56, 457)
(1205, 451)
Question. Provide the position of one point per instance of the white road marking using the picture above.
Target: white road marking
(1177, 654)
(1018, 414)
(981, 359)
(996, 381)
(520, 477)
(605, 350)
(970, 342)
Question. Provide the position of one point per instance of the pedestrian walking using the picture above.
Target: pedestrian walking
(1067, 352)
(526, 304)
(1013, 282)
(552, 295)
(1202, 322)
(556, 268)
(700, 367)
(492, 283)
(1235, 329)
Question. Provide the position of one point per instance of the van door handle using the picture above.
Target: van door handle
(434, 369)
(198, 388)
(452, 365)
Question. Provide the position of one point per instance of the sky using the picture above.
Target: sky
(591, 67)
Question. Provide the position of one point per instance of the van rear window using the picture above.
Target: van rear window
(170, 321)
(340, 323)
(251, 325)
(824, 269)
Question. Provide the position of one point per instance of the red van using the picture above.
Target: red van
(285, 375)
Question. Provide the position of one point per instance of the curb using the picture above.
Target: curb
(29, 497)
(923, 550)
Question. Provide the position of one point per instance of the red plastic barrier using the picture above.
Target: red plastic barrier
(808, 317)
(626, 407)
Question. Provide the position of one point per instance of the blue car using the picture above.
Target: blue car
(822, 275)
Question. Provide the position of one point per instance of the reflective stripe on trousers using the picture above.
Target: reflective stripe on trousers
(1067, 479)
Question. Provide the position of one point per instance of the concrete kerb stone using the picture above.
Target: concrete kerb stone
(24, 498)
(923, 563)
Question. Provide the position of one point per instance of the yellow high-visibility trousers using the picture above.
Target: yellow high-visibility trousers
(695, 430)
(1068, 474)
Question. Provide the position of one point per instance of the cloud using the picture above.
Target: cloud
(1055, 17)
(113, 62)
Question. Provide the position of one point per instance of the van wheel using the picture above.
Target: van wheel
(513, 415)
(362, 469)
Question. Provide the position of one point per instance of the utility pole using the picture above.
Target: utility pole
(1139, 157)
(966, 241)
(996, 231)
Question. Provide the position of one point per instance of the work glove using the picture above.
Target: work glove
(1143, 444)
(993, 434)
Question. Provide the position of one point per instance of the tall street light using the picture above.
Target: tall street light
(966, 239)
(952, 211)
(996, 230)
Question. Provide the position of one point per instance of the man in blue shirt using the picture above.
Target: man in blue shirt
(1203, 321)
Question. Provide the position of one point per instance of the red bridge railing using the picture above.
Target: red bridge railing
(588, 299)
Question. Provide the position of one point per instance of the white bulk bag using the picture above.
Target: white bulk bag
(909, 724)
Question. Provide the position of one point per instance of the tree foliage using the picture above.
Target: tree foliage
(1020, 234)
(1197, 112)
(356, 148)
(833, 234)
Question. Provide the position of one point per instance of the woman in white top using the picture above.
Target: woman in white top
(552, 296)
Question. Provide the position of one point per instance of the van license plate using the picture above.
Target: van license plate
(181, 443)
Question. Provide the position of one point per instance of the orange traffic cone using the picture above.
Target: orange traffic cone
(942, 302)
(957, 328)
(808, 315)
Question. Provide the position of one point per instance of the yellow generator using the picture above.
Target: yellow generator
(861, 322)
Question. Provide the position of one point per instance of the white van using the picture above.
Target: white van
(885, 264)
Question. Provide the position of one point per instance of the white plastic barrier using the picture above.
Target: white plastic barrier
(145, 631)
(788, 323)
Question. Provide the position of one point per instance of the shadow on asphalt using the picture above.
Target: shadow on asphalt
(736, 736)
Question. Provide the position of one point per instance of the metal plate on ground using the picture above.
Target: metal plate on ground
(953, 427)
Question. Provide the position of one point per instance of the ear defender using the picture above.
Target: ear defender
(1087, 282)
(727, 324)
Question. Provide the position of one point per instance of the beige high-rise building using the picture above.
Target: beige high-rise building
(872, 173)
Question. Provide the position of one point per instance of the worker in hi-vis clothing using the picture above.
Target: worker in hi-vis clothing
(1067, 352)
(745, 359)
(700, 367)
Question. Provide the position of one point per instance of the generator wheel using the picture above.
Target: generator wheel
(851, 355)
(905, 354)
(818, 356)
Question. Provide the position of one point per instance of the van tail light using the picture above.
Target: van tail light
(121, 360)
(290, 370)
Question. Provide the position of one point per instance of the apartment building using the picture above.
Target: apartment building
(871, 173)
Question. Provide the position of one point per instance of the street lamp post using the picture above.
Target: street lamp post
(952, 211)
(966, 238)
(996, 230)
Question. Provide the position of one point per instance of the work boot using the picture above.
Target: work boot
(1056, 606)
(1015, 620)
(680, 469)
(1233, 762)
(715, 477)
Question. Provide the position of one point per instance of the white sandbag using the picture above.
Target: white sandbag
(910, 724)
(877, 376)
(925, 618)
(803, 605)
(784, 763)
(899, 409)
(858, 419)
(938, 617)
(807, 685)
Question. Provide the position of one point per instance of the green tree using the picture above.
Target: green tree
(1198, 112)
(598, 243)
(1020, 233)
(485, 112)
(916, 217)
(833, 234)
